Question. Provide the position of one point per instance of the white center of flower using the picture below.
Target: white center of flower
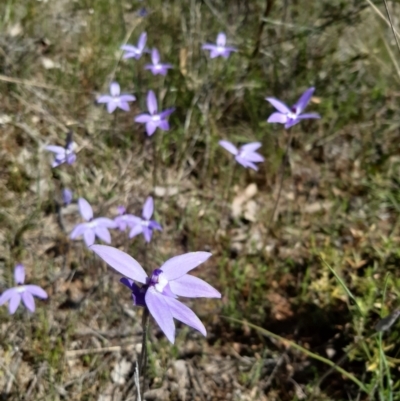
(145, 223)
(91, 224)
(220, 49)
(292, 116)
(156, 118)
(21, 288)
(158, 67)
(162, 282)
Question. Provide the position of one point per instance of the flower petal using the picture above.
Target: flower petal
(143, 118)
(55, 149)
(246, 163)
(127, 98)
(155, 56)
(142, 41)
(6, 295)
(121, 262)
(250, 147)
(151, 127)
(104, 222)
(253, 157)
(280, 106)
(78, 230)
(182, 313)
(166, 113)
(19, 274)
(112, 106)
(209, 46)
(28, 300)
(179, 265)
(147, 234)
(36, 291)
(193, 287)
(137, 229)
(85, 209)
(221, 39)
(308, 115)
(151, 102)
(104, 99)
(148, 208)
(277, 117)
(14, 302)
(229, 146)
(89, 236)
(160, 311)
(304, 99)
(103, 234)
(115, 89)
(164, 125)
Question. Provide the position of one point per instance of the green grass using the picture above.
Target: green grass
(307, 288)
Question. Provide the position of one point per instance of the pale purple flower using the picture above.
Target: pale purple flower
(156, 67)
(154, 120)
(64, 154)
(159, 292)
(124, 219)
(291, 116)
(135, 51)
(21, 292)
(115, 99)
(67, 196)
(220, 48)
(143, 225)
(94, 227)
(246, 155)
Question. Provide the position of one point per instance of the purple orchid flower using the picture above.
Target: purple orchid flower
(67, 196)
(64, 154)
(143, 224)
(220, 48)
(21, 291)
(246, 155)
(154, 120)
(135, 51)
(156, 67)
(291, 116)
(116, 99)
(160, 291)
(94, 227)
(124, 219)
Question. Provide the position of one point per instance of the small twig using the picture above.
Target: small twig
(136, 378)
(80, 352)
(391, 25)
(143, 353)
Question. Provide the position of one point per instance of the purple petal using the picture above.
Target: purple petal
(304, 99)
(127, 98)
(121, 262)
(55, 149)
(221, 39)
(143, 118)
(154, 225)
(215, 53)
(121, 209)
(277, 118)
(115, 89)
(246, 163)
(159, 309)
(28, 300)
(166, 113)
(7, 294)
(19, 274)
(151, 102)
(147, 234)
(104, 99)
(209, 46)
(123, 106)
(129, 48)
(308, 115)
(127, 282)
(142, 41)
(112, 106)
(164, 125)
(250, 147)
(105, 222)
(14, 302)
(89, 236)
(291, 122)
(71, 158)
(230, 147)
(138, 229)
(103, 234)
(148, 208)
(280, 106)
(78, 230)
(179, 265)
(253, 157)
(182, 313)
(193, 287)
(230, 49)
(155, 56)
(67, 196)
(151, 127)
(85, 209)
(36, 291)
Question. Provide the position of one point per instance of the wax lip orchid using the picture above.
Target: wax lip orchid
(156, 67)
(115, 99)
(135, 51)
(143, 225)
(291, 116)
(124, 219)
(24, 292)
(153, 119)
(62, 154)
(246, 155)
(220, 48)
(93, 227)
(159, 292)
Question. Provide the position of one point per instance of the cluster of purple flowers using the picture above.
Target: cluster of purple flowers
(158, 292)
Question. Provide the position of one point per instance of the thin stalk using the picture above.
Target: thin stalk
(228, 189)
(143, 353)
(155, 164)
(282, 176)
